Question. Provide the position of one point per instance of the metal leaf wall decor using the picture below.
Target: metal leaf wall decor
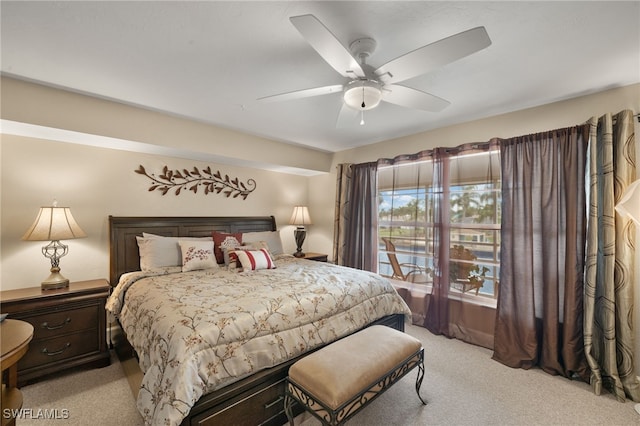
(191, 180)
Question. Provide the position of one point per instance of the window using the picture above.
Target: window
(408, 204)
(401, 218)
(474, 237)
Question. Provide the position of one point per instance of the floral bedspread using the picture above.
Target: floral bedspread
(198, 331)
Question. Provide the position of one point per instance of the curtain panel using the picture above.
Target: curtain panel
(609, 275)
(540, 306)
(356, 218)
(453, 312)
(428, 227)
(402, 226)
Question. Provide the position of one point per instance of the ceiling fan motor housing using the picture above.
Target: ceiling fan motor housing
(362, 48)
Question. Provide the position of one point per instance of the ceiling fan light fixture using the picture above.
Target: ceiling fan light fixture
(363, 95)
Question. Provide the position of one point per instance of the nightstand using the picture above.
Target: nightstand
(316, 256)
(69, 326)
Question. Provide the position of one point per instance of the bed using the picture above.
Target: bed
(232, 370)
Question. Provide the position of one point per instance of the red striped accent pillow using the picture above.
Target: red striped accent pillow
(255, 259)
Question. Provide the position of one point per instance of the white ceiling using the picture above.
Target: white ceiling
(210, 61)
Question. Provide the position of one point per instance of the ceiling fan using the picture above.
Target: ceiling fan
(366, 86)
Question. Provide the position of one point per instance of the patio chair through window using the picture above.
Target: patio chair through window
(404, 271)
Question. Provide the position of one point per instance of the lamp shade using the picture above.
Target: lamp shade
(300, 216)
(629, 204)
(53, 224)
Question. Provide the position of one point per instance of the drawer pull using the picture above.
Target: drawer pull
(271, 404)
(46, 351)
(55, 327)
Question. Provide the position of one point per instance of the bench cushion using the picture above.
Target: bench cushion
(341, 370)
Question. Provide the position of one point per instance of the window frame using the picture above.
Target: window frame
(386, 226)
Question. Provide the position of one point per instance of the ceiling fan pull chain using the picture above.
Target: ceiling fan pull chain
(363, 107)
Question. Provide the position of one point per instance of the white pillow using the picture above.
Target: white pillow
(148, 235)
(157, 251)
(271, 237)
(197, 255)
(256, 245)
(252, 260)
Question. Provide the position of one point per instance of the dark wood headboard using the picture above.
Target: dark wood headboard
(123, 247)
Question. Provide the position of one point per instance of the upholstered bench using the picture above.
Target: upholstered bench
(335, 382)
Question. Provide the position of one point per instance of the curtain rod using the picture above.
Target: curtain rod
(636, 116)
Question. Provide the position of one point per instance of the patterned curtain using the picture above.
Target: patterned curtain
(342, 214)
(609, 277)
(356, 218)
(539, 320)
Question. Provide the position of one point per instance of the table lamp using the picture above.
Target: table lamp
(300, 218)
(54, 224)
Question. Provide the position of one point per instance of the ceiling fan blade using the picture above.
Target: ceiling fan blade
(434, 55)
(327, 45)
(306, 93)
(412, 98)
(348, 117)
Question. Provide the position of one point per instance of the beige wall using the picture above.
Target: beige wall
(35, 104)
(98, 182)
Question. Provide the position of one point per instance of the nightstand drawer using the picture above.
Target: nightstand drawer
(53, 324)
(69, 326)
(42, 352)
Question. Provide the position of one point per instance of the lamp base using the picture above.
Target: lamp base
(300, 233)
(55, 280)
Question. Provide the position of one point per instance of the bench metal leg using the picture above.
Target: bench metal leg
(288, 403)
(420, 377)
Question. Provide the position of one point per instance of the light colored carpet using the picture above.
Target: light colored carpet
(96, 397)
(462, 386)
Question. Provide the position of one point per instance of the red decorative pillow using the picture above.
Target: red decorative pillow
(231, 258)
(223, 239)
(252, 260)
